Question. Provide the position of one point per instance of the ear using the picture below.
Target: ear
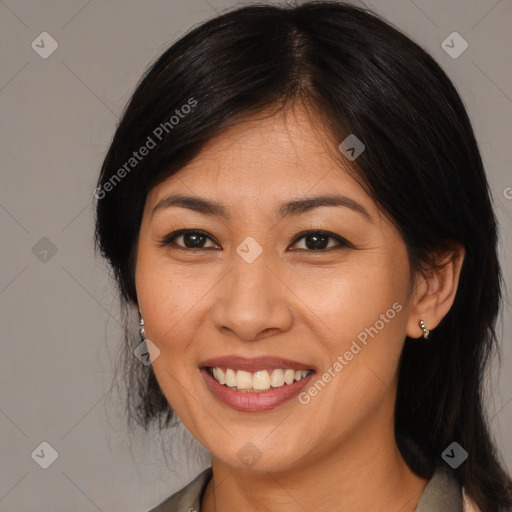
(434, 291)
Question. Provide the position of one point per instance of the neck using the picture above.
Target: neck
(364, 472)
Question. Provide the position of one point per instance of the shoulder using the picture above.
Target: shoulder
(443, 492)
(188, 498)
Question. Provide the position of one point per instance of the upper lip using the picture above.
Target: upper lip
(253, 364)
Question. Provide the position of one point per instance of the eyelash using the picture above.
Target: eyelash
(171, 237)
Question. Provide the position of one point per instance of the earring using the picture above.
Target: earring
(423, 326)
(141, 327)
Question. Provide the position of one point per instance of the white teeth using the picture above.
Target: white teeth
(230, 378)
(243, 380)
(289, 375)
(258, 381)
(277, 378)
(261, 380)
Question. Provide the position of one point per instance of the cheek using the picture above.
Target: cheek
(365, 312)
(168, 294)
(349, 300)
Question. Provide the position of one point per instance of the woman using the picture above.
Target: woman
(295, 203)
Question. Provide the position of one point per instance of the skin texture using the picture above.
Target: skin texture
(338, 451)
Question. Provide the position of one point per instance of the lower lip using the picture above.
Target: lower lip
(254, 402)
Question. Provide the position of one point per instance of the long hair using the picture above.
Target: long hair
(421, 165)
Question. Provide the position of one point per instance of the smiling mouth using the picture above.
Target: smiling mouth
(258, 381)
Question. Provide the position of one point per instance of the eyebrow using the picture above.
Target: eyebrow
(290, 208)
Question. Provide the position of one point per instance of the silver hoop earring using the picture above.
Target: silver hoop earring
(142, 332)
(423, 326)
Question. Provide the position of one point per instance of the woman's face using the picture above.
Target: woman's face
(251, 284)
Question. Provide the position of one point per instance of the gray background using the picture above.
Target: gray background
(60, 320)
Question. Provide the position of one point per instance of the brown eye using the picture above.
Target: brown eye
(191, 239)
(319, 241)
(197, 239)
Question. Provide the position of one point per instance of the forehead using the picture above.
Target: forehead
(269, 156)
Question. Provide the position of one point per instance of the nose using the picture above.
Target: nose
(253, 303)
